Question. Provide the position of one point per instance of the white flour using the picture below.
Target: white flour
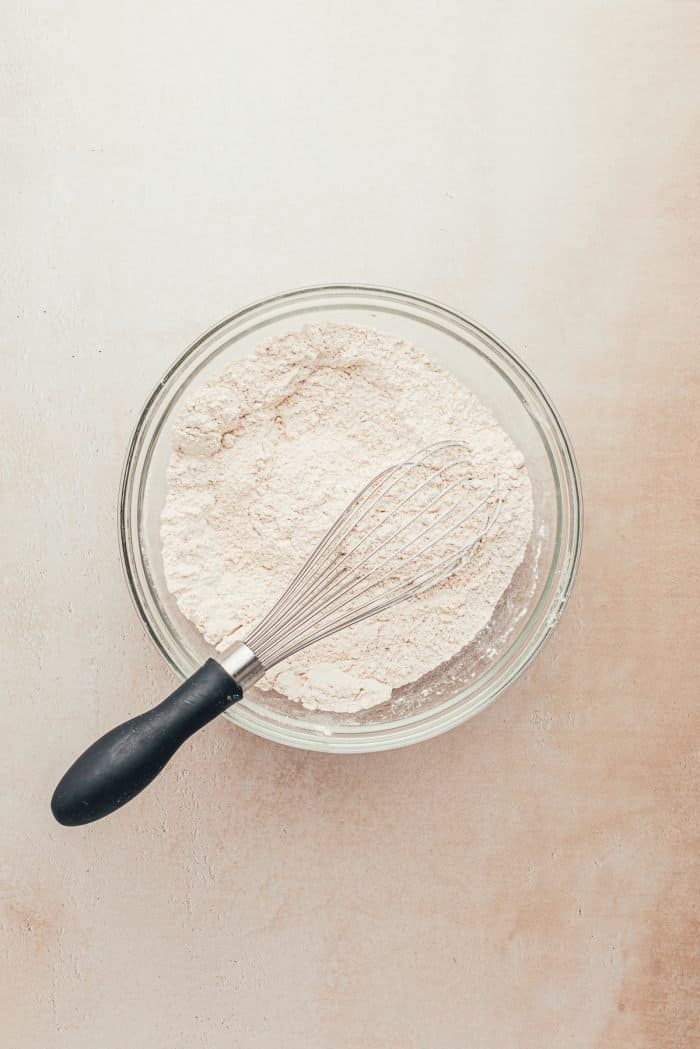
(268, 454)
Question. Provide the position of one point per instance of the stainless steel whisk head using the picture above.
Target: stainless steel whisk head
(411, 527)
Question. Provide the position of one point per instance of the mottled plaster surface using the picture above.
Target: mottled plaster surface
(531, 880)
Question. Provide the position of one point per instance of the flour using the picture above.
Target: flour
(268, 454)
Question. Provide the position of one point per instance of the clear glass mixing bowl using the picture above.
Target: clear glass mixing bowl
(527, 613)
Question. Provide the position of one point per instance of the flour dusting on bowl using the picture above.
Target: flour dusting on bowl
(268, 453)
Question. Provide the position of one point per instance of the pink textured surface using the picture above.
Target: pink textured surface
(530, 880)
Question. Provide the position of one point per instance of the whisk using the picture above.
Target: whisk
(409, 529)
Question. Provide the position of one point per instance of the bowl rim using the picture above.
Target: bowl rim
(412, 728)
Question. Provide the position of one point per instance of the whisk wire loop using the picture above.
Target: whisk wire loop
(401, 535)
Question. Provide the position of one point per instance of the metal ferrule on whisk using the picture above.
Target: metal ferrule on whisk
(243, 665)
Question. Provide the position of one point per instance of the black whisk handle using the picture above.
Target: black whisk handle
(118, 766)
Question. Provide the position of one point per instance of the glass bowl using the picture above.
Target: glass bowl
(526, 614)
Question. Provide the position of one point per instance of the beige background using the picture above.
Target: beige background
(531, 880)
